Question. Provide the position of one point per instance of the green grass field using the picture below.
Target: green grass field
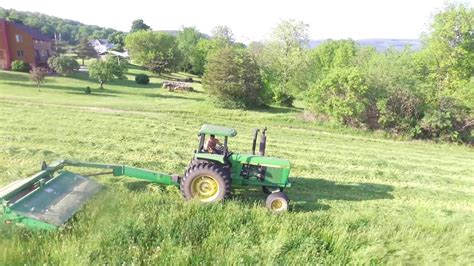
(357, 197)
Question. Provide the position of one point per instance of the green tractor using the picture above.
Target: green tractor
(210, 175)
(49, 198)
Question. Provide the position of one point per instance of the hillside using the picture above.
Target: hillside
(65, 29)
(381, 44)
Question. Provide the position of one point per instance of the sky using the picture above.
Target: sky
(252, 20)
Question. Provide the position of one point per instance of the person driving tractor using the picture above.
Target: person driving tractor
(212, 145)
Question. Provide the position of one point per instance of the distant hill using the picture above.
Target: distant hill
(66, 30)
(380, 44)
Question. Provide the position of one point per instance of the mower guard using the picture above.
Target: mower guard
(49, 198)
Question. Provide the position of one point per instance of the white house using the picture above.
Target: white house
(101, 45)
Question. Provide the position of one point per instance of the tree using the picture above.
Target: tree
(284, 61)
(105, 70)
(138, 25)
(63, 65)
(118, 39)
(64, 30)
(59, 47)
(449, 53)
(188, 39)
(37, 76)
(331, 54)
(85, 50)
(157, 51)
(233, 80)
(223, 34)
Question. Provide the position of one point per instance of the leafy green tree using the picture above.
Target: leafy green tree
(284, 61)
(63, 65)
(223, 34)
(105, 70)
(331, 54)
(85, 50)
(188, 39)
(232, 79)
(138, 25)
(449, 53)
(118, 39)
(157, 51)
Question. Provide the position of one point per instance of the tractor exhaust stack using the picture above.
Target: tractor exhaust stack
(263, 142)
(254, 142)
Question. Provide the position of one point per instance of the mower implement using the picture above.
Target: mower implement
(50, 197)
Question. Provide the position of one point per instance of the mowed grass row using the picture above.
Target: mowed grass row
(356, 197)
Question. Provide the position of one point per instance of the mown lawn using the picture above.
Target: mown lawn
(357, 197)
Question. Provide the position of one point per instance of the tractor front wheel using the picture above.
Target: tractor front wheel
(277, 202)
(206, 182)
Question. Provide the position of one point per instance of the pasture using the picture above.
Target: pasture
(356, 197)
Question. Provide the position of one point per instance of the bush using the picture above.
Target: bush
(400, 111)
(233, 79)
(37, 76)
(20, 66)
(283, 98)
(448, 122)
(342, 95)
(63, 65)
(142, 79)
(88, 90)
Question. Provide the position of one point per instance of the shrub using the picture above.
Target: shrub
(37, 76)
(449, 122)
(283, 98)
(63, 65)
(88, 90)
(20, 66)
(233, 80)
(341, 95)
(142, 79)
(400, 111)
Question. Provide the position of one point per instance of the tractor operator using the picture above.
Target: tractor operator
(213, 145)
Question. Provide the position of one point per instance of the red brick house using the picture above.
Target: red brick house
(20, 42)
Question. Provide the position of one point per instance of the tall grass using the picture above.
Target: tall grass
(356, 197)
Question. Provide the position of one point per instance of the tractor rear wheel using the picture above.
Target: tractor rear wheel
(277, 202)
(206, 182)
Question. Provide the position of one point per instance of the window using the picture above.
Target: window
(19, 38)
(37, 53)
(20, 53)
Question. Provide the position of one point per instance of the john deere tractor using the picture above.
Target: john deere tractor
(211, 175)
(47, 199)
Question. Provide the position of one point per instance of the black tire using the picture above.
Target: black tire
(207, 182)
(270, 190)
(277, 202)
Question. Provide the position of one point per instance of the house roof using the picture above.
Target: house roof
(34, 33)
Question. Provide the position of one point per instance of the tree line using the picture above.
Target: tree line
(68, 31)
(427, 93)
